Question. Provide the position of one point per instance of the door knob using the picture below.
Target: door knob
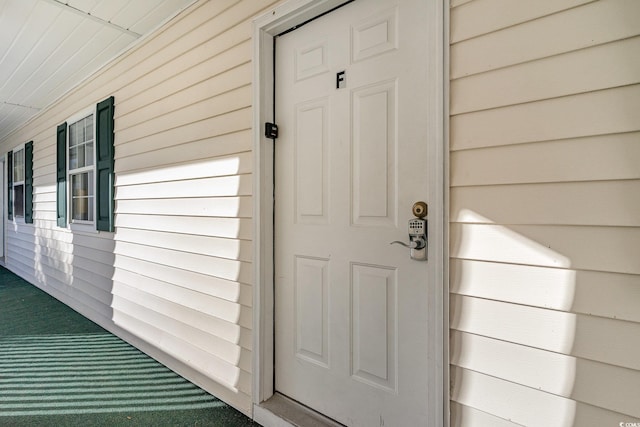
(420, 209)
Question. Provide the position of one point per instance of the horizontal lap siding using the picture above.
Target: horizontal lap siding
(545, 218)
(176, 276)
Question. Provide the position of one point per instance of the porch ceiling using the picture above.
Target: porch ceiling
(49, 46)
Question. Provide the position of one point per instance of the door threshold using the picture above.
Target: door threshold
(280, 411)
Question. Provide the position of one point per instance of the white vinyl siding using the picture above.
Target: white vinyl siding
(545, 218)
(175, 279)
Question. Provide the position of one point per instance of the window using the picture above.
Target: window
(20, 183)
(85, 169)
(81, 170)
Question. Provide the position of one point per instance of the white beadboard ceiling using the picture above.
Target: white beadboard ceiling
(49, 46)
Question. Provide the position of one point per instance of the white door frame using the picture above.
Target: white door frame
(285, 16)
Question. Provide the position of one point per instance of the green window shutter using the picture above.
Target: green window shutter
(10, 185)
(104, 163)
(61, 174)
(28, 182)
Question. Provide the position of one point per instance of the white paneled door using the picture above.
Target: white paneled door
(351, 316)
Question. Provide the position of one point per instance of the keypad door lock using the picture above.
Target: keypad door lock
(417, 229)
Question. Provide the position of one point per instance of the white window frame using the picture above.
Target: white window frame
(14, 183)
(75, 224)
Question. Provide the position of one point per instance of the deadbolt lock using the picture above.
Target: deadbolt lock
(420, 209)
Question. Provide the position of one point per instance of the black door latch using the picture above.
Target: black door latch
(271, 130)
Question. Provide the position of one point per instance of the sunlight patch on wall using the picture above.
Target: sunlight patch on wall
(512, 330)
(552, 288)
(499, 243)
(535, 327)
(53, 247)
(211, 167)
(183, 262)
(183, 351)
(520, 405)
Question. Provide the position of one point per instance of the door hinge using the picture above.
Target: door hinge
(271, 130)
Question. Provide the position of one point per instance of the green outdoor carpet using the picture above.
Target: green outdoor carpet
(58, 368)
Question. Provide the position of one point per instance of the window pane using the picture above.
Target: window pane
(80, 209)
(82, 196)
(77, 130)
(90, 208)
(73, 158)
(89, 140)
(18, 166)
(79, 185)
(90, 184)
(81, 162)
(88, 154)
(88, 128)
(18, 200)
(81, 151)
(73, 135)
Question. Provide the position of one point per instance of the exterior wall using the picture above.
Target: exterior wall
(175, 279)
(545, 228)
(545, 213)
